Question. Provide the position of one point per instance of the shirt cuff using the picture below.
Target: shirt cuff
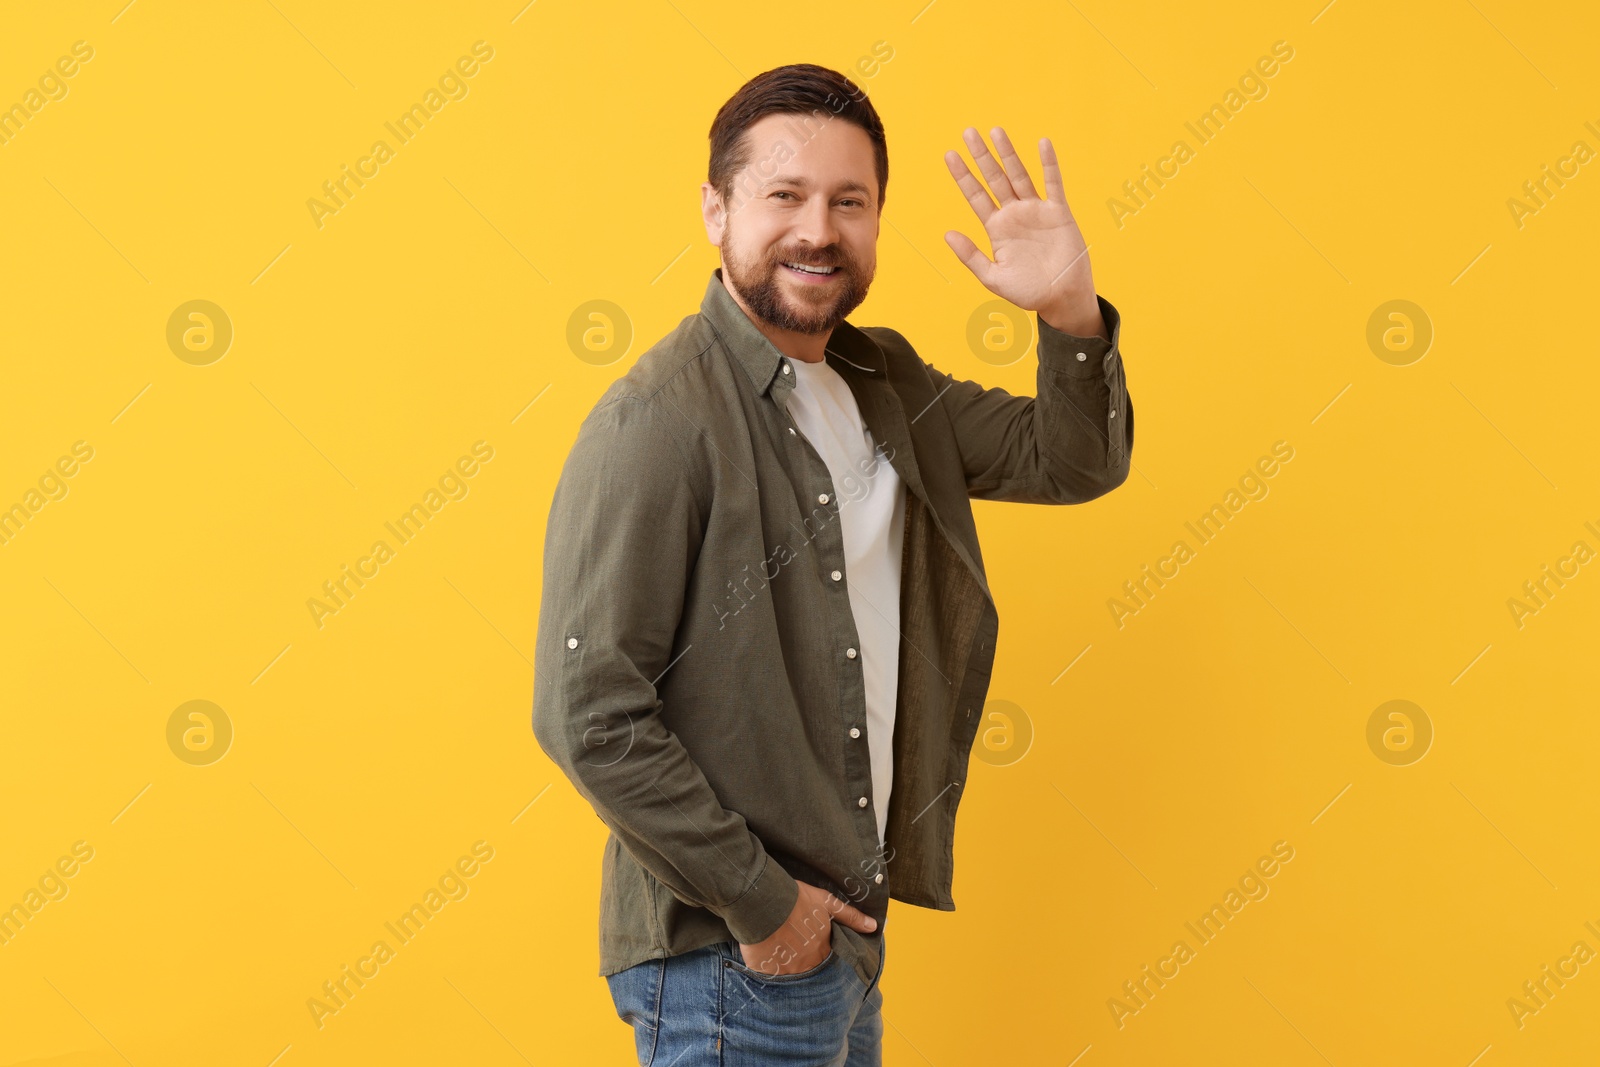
(1080, 357)
(764, 907)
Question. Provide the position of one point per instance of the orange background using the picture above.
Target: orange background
(372, 348)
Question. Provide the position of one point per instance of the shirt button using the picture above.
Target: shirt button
(850, 652)
(786, 366)
(572, 642)
(791, 429)
(861, 803)
(822, 498)
(1081, 357)
(855, 732)
(1113, 414)
(837, 576)
(877, 878)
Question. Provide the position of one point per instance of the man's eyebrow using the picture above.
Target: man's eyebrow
(849, 185)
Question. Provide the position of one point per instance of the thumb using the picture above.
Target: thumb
(969, 253)
(850, 916)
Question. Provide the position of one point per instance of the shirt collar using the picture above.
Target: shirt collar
(755, 352)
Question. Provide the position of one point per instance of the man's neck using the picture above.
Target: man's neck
(807, 347)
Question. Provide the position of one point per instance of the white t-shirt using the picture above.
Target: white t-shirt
(872, 516)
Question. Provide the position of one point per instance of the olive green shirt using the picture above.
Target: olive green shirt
(697, 669)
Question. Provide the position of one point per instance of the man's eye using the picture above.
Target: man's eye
(781, 192)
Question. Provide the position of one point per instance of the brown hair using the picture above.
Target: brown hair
(797, 89)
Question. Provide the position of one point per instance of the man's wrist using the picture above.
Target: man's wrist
(1079, 320)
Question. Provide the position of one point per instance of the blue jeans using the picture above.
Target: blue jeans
(705, 1008)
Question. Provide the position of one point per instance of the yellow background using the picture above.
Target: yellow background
(431, 311)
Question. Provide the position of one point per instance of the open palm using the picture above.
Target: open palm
(1040, 260)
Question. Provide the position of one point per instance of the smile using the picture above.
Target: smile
(817, 271)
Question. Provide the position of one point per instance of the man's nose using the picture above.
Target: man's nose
(816, 224)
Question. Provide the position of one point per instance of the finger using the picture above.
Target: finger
(1052, 172)
(821, 905)
(999, 184)
(1013, 165)
(851, 917)
(971, 187)
(970, 254)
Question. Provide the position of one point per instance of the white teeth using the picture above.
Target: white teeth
(811, 270)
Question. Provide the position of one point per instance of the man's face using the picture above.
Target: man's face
(809, 196)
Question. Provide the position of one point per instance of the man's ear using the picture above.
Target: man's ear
(713, 211)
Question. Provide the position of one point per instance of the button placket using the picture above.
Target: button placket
(812, 462)
(813, 458)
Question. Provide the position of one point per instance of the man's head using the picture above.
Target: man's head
(799, 171)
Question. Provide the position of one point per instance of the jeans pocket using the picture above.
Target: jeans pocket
(736, 962)
(636, 992)
(804, 1017)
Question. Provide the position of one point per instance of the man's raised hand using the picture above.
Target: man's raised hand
(1040, 260)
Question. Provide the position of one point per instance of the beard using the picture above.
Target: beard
(793, 305)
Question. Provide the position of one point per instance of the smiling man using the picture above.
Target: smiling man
(765, 633)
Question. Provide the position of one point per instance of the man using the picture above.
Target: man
(765, 633)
